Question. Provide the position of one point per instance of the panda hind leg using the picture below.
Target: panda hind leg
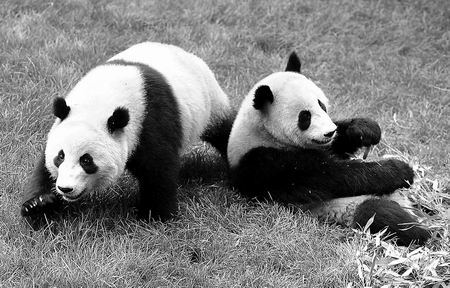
(218, 132)
(390, 214)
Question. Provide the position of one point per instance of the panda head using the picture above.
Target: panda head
(82, 156)
(292, 109)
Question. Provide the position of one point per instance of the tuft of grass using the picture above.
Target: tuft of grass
(387, 60)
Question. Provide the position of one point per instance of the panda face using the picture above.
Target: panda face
(82, 158)
(294, 111)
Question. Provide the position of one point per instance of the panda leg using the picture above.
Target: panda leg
(218, 132)
(390, 214)
(157, 186)
(353, 134)
(157, 199)
(306, 176)
(39, 200)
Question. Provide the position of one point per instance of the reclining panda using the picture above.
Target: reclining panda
(140, 110)
(284, 147)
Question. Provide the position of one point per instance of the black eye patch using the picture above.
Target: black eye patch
(59, 158)
(87, 163)
(304, 120)
(322, 106)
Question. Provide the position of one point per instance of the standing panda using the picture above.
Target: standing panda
(140, 110)
(283, 146)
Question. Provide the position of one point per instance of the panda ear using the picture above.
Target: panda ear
(263, 96)
(118, 119)
(294, 64)
(60, 108)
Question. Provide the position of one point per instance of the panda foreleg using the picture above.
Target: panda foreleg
(39, 199)
(157, 199)
(312, 175)
(157, 186)
(353, 134)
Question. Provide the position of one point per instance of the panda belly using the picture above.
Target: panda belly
(342, 210)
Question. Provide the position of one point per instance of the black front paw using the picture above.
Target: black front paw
(39, 204)
(363, 132)
(402, 173)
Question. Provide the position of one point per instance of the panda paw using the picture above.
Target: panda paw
(363, 132)
(402, 173)
(39, 204)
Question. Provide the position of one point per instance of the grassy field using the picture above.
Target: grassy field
(388, 60)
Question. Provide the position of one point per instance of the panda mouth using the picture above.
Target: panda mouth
(322, 142)
(72, 198)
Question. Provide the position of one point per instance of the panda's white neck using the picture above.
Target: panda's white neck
(248, 133)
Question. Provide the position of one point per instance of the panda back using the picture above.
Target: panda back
(200, 98)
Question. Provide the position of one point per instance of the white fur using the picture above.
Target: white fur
(92, 101)
(200, 98)
(95, 97)
(342, 210)
(277, 127)
(293, 93)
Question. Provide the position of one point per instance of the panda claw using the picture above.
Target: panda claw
(366, 152)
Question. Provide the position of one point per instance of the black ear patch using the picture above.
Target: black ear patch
(294, 64)
(60, 108)
(263, 96)
(118, 119)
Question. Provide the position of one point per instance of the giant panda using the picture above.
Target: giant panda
(140, 111)
(284, 147)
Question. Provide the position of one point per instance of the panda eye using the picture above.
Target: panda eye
(304, 120)
(86, 160)
(87, 163)
(61, 155)
(59, 159)
(322, 106)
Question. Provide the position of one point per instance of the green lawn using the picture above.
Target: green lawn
(388, 60)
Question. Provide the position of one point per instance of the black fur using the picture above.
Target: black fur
(353, 134)
(118, 120)
(88, 164)
(59, 159)
(263, 96)
(218, 133)
(304, 120)
(39, 201)
(155, 162)
(305, 175)
(294, 64)
(322, 106)
(390, 214)
(60, 108)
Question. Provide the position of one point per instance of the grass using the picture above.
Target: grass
(383, 59)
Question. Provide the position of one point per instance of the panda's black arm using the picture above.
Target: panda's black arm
(312, 175)
(38, 196)
(352, 134)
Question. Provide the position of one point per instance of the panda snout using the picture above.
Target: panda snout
(330, 134)
(65, 189)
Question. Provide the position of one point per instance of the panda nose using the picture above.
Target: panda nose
(65, 189)
(329, 134)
